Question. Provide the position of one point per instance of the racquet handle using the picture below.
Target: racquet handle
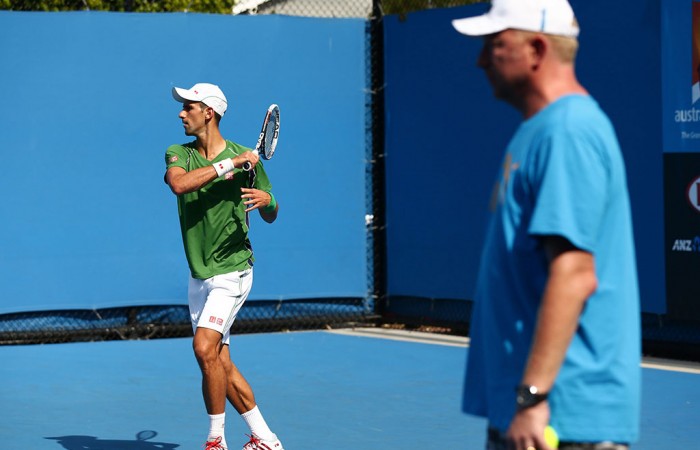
(246, 165)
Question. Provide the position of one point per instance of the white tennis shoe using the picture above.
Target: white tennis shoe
(214, 444)
(256, 443)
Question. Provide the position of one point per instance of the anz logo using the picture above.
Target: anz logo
(686, 245)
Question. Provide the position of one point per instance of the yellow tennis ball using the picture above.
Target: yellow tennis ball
(551, 437)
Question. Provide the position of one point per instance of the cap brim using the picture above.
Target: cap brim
(478, 26)
(183, 95)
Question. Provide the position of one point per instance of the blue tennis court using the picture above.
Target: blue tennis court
(318, 390)
(85, 257)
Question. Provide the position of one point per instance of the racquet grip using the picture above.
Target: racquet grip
(246, 165)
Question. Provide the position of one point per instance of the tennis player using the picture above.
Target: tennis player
(556, 326)
(214, 197)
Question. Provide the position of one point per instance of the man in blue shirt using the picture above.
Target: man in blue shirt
(555, 331)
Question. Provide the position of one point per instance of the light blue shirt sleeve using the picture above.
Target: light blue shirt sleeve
(571, 188)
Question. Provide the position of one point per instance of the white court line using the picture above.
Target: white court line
(460, 341)
(671, 364)
(407, 336)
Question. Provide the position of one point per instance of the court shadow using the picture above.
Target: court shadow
(142, 442)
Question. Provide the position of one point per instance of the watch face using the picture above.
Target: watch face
(522, 397)
(528, 396)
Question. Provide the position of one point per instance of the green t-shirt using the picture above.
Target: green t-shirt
(213, 220)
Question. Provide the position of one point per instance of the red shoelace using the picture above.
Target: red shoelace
(214, 445)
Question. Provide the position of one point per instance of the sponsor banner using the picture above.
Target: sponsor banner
(682, 241)
(680, 40)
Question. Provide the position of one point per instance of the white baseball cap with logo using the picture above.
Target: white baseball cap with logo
(207, 93)
(545, 16)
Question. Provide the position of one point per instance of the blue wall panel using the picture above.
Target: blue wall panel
(87, 115)
(444, 138)
(446, 134)
(620, 64)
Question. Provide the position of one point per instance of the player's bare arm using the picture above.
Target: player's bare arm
(260, 200)
(183, 182)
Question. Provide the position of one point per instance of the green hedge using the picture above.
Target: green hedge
(405, 6)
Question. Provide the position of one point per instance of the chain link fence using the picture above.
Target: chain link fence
(306, 8)
(341, 8)
(168, 321)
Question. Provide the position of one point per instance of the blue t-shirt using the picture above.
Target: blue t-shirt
(564, 175)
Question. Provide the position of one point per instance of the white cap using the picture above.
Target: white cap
(545, 16)
(209, 94)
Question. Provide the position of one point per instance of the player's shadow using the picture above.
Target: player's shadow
(93, 443)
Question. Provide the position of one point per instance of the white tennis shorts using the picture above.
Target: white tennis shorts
(215, 302)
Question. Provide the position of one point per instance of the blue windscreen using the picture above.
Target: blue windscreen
(88, 221)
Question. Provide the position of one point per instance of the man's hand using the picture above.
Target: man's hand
(244, 157)
(255, 199)
(526, 430)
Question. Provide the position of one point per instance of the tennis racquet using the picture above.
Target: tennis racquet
(267, 141)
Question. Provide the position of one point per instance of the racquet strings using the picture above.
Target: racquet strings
(271, 133)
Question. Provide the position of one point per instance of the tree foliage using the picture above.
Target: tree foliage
(405, 6)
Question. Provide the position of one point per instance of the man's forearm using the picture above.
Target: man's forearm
(571, 281)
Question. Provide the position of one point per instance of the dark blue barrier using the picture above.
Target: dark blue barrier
(446, 134)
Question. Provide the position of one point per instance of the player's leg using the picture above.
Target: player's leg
(237, 285)
(207, 345)
(241, 396)
(238, 391)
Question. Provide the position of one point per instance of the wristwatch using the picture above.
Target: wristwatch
(528, 396)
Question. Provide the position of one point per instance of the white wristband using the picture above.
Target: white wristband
(223, 167)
